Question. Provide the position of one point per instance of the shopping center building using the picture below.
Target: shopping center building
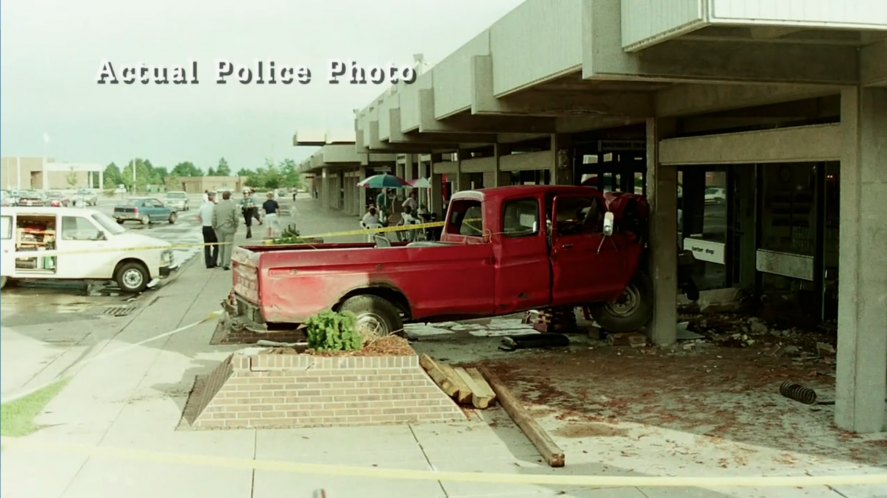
(758, 130)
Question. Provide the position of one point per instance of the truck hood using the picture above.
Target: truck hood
(136, 240)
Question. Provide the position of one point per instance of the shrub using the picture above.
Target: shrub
(332, 331)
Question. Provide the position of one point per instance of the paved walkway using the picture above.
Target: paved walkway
(129, 404)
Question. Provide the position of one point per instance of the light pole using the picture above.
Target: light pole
(45, 177)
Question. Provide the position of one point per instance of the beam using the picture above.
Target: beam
(873, 64)
(798, 144)
(696, 98)
(724, 61)
(430, 139)
(466, 123)
(551, 103)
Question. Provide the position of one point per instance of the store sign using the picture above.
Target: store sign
(706, 250)
(786, 264)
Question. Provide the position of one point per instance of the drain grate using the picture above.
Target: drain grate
(119, 310)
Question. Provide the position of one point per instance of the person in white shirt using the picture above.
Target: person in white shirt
(369, 221)
(411, 202)
(210, 241)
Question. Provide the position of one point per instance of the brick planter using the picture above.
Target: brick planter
(257, 389)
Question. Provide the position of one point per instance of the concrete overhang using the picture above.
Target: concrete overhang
(873, 64)
(647, 23)
(816, 58)
(303, 138)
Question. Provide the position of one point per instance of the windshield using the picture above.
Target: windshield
(108, 223)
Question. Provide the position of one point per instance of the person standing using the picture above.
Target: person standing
(225, 225)
(250, 211)
(382, 205)
(272, 209)
(411, 202)
(210, 241)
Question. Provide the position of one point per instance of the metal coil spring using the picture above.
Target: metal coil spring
(798, 392)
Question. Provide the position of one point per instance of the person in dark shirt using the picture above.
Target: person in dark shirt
(272, 210)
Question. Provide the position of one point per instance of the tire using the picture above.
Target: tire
(132, 277)
(119, 222)
(172, 218)
(145, 220)
(630, 311)
(376, 316)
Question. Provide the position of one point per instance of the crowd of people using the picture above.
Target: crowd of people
(381, 213)
(220, 220)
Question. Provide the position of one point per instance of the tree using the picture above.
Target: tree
(223, 169)
(211, 172)
(144, 175)
(112, 175)
(244, 172)
(186, 168)
(72, 178)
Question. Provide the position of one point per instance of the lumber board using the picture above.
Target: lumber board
(483, 388)
(549, 450)
(438, 375)
(480, 397)
(463, 392)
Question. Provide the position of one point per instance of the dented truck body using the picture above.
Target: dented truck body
(502, 250)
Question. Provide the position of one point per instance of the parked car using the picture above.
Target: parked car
(87, 196)
(177, 199)
(78, 244)
(715, 195)
(31, 198)
(56, 198)
(146, 210)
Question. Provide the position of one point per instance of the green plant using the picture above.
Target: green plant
(333, 331)
(290, 232)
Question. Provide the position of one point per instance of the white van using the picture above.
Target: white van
(79, 244)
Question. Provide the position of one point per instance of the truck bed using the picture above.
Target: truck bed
(296, 282)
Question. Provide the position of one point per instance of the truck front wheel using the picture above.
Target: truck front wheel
(376, 316)
(630, 311)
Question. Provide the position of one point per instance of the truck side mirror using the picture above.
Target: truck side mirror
(608, 223)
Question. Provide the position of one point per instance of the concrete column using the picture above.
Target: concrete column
(325, 188)
(101, 180)
(862, 287)
(460, 182)
(361, 192)
(436, 205)
(561, 160)
(662, 193)
(408, 167)
(502, 178)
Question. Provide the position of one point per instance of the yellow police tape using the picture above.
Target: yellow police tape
(435, 475)
(363, 231)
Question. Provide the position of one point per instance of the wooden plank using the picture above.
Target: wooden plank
(534, 432)
(438, 376)
(463, 392)
(478, 397)
(481, 389)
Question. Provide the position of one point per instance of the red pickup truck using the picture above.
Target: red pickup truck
(502, 250)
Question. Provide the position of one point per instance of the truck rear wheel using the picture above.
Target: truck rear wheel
(376, 316)
(630, 311)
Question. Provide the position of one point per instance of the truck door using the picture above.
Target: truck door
(522, 268)
(585, 265)
(7, 245)
(84, 250)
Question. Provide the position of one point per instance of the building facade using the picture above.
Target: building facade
(758, 130)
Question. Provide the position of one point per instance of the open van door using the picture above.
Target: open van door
(7, 246)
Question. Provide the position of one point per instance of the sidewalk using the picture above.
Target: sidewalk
(133, 401)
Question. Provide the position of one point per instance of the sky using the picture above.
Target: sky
(53, 52)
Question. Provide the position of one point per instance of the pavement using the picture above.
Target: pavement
(112, 431)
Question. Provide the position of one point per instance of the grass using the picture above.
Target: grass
(17, 417)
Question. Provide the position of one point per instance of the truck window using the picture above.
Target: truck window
(521, 218)
(467, 218)
(6, 227)
(579, 216)
(78, 228)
